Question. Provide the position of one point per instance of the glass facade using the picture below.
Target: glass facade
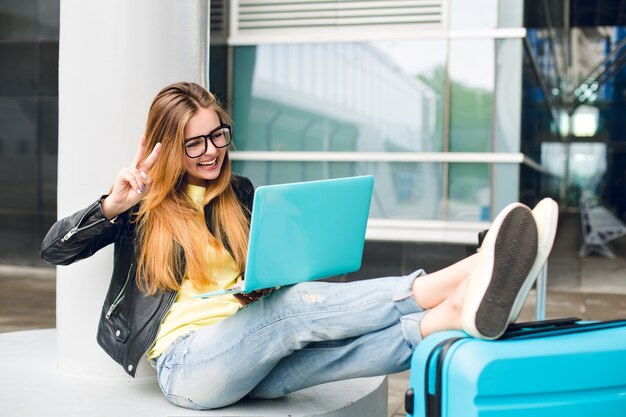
(433, 95)
(584, 164)
(418, 97)
(469, 196)
(401, 190)
(339, 97)
(541, 119)
(463, 14)
(29, 47)
(472, 83)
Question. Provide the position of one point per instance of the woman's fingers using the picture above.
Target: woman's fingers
(133, 183)
(141, 186)
(244, 299)
(149, 161)
(130, 187)
(250, 297)
(141, 151)
(130, 179)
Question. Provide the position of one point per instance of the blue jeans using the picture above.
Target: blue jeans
(297, 337)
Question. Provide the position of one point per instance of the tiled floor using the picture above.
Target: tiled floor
(27, 298)
(591, 288)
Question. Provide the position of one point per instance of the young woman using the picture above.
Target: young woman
(179, 220)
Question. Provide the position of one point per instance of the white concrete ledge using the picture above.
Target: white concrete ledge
(32, 386)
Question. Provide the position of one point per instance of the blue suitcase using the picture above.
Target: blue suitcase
(543, 369)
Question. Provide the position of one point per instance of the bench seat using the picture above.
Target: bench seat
(33, 386)
(599, 227)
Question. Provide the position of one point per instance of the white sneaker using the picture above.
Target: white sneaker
(546, 214)
(506, 257)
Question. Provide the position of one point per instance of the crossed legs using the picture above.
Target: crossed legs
(483, 293)
(477, 294)
(442, 293)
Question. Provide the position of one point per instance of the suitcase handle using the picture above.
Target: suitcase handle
(563, 328)
(542, 324)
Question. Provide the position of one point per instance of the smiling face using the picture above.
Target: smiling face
(207, 167)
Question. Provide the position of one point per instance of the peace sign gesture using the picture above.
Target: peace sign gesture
(132, 183)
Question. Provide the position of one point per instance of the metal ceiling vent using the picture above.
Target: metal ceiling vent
(275, 18)
(218, 16)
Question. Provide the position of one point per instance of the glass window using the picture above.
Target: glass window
(508, 95)
(472, 80)
(29, 33)
(554, 158)
(539, 119)
(586, 167)
(364, 97)
(29, 20)
(401, 190)
(510, 14)
(505, 186)
(473, 14)
(469, 192)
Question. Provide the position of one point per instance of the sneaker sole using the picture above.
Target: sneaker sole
(505, 268)
(546, 214)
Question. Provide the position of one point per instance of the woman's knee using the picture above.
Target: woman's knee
(194, 391)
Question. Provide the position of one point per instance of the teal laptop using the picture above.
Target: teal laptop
(305, 231)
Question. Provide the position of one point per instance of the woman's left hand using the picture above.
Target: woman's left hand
(246, 298)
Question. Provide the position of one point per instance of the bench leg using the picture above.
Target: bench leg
(601, 249)
(606, 251)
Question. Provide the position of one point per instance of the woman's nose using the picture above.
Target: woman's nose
(210, 148)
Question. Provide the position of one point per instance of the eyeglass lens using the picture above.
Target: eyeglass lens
(197, 146)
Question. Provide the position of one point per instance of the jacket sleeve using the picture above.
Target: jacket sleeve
(80, 235)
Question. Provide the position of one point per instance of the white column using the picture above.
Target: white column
(114, 57)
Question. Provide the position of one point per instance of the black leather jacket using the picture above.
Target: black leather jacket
(129, 320)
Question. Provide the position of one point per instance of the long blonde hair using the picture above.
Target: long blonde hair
(168, 223)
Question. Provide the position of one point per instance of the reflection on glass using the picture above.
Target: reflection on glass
(508, 95)
(401, 190)
(472, 74)
(586, 167)
(536, 114)
(542, 128)
(364, 97)
(469, 193)
(554, 158)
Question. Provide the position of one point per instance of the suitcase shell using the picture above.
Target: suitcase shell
(575, 370)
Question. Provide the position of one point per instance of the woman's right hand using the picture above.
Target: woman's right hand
(132, 183)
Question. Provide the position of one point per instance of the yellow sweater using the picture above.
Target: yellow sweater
(187, 313)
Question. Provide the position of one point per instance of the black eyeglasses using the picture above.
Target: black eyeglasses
(220, 137)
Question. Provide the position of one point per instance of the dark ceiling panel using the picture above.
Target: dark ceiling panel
(583, 13)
